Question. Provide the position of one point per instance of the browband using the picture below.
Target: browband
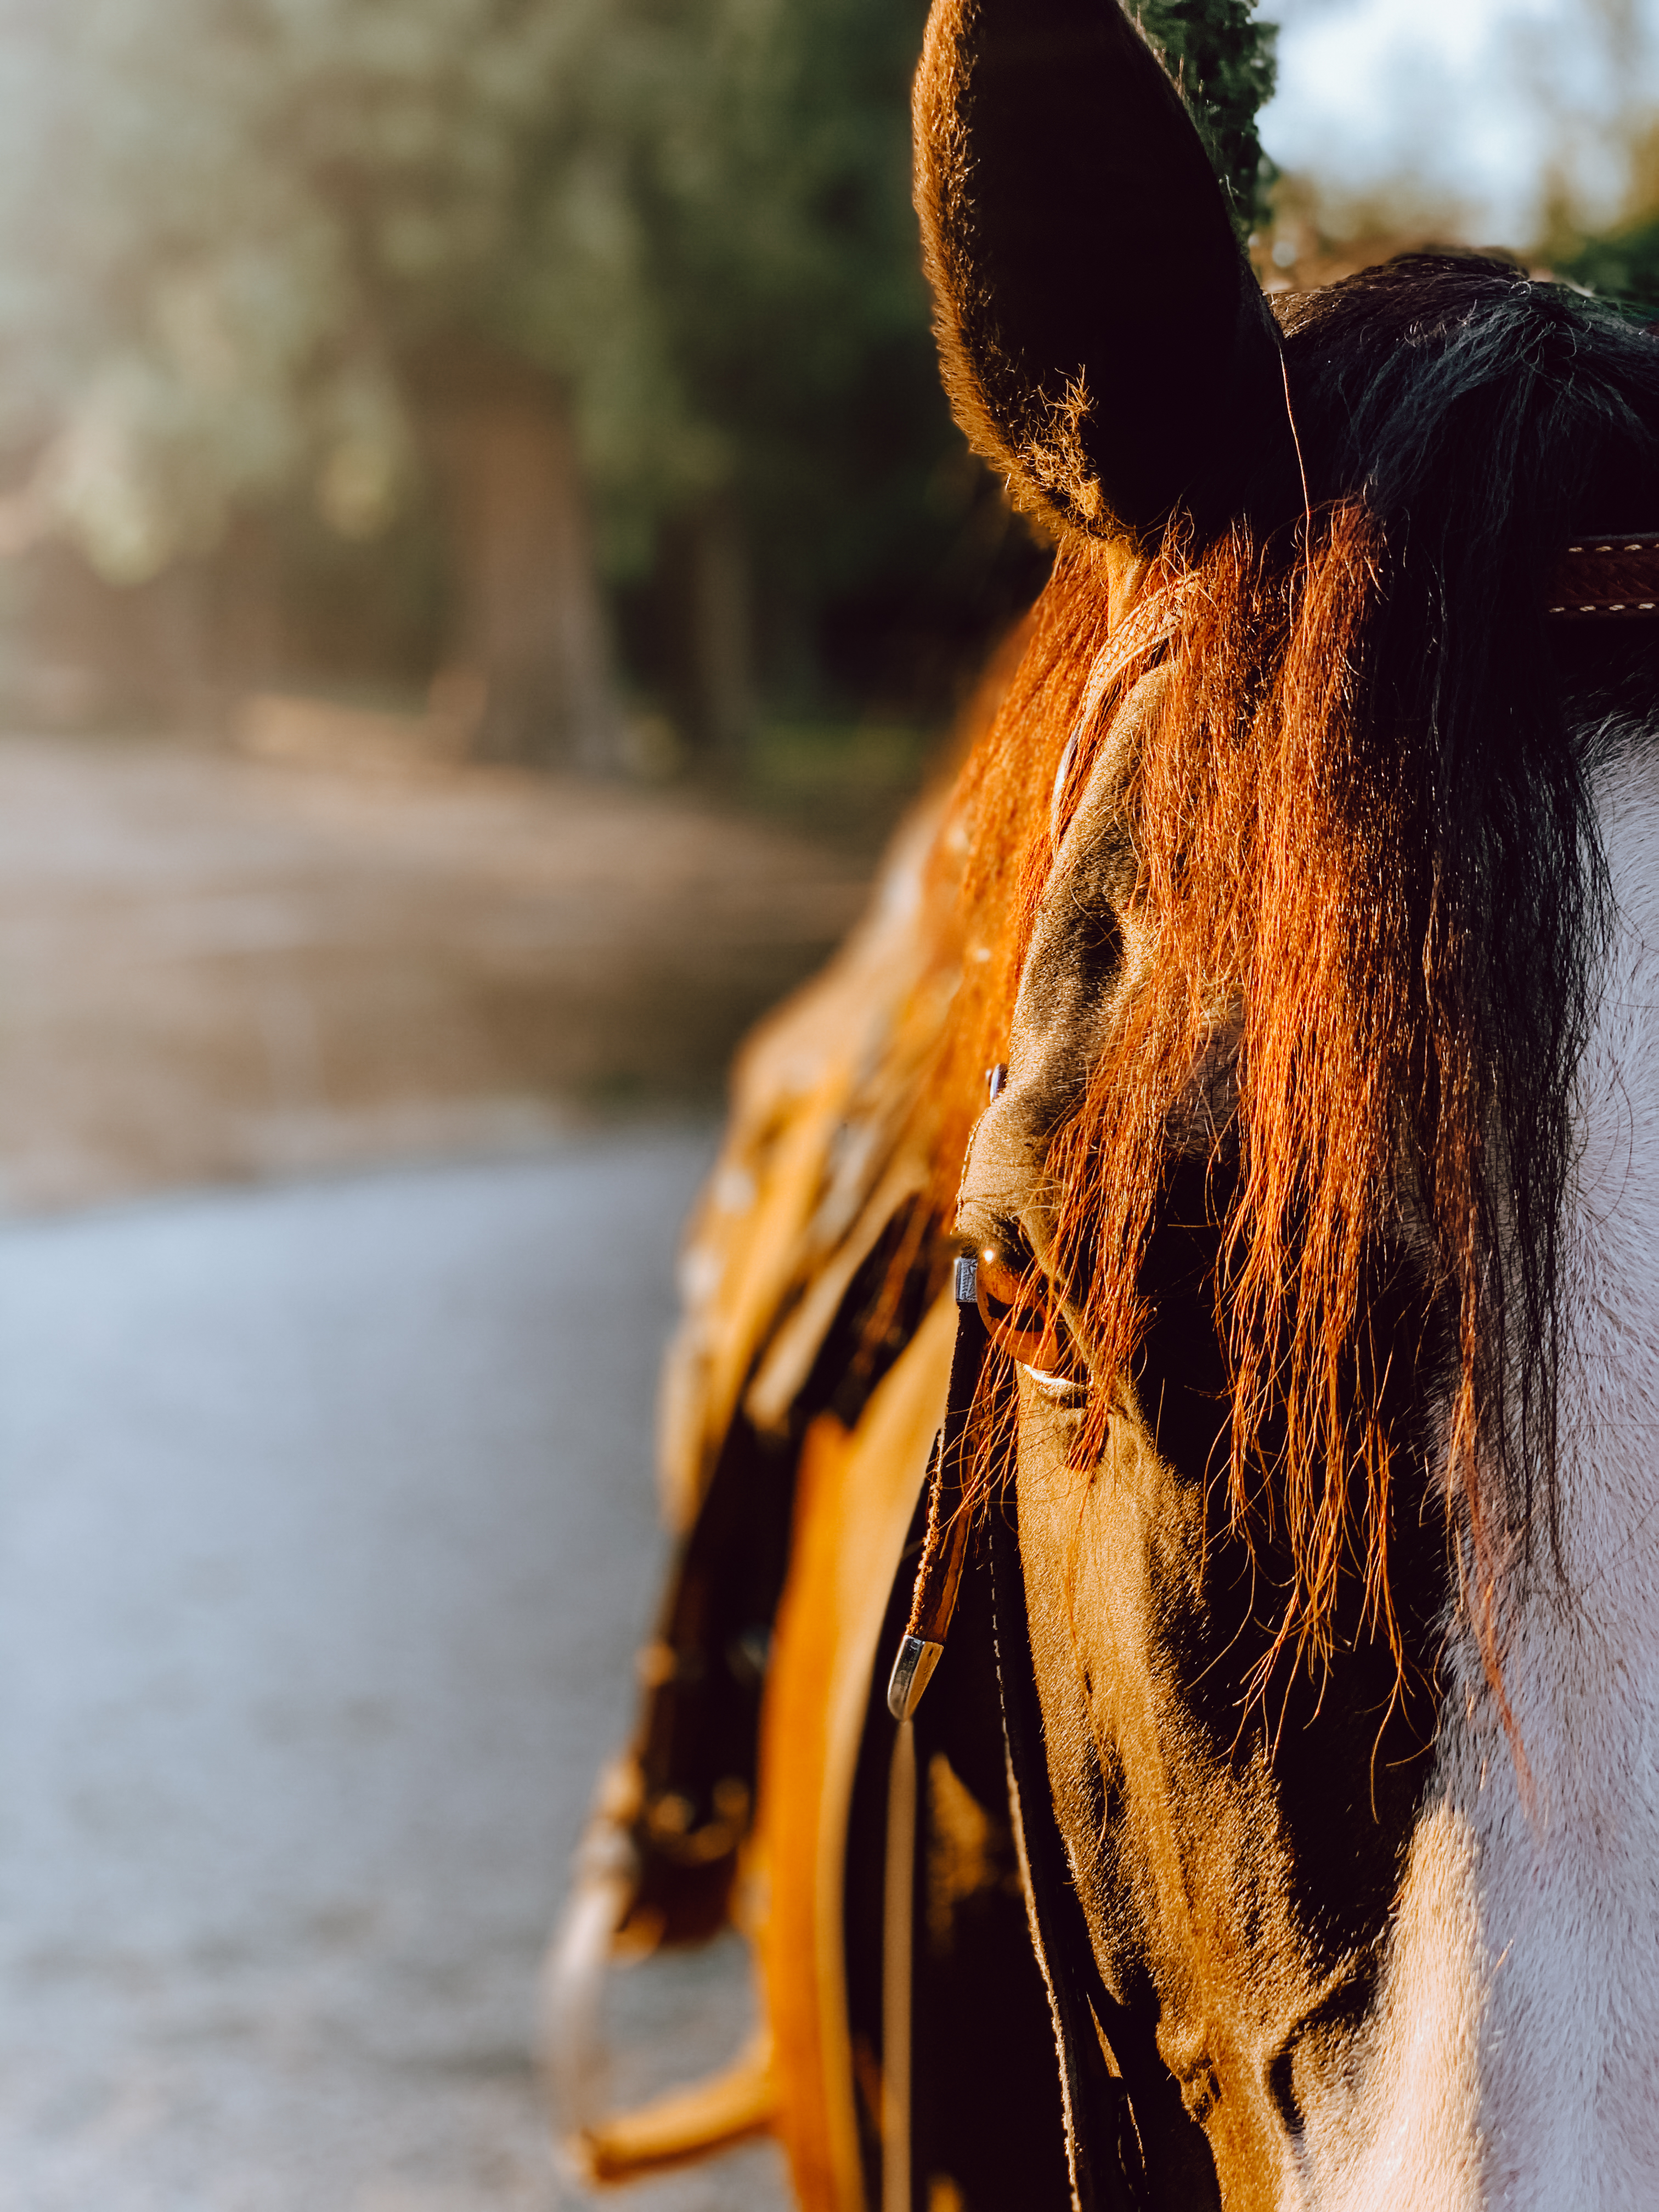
(1611, 578)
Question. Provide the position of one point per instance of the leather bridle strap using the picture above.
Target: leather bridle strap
(1133, 2145)
(944, 1547)
(1613, 577)
(1102, 2143)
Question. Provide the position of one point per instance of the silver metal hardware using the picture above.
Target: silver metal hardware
(913, 1670)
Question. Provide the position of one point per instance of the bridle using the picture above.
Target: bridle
(1113, 2113)
(1610, 578)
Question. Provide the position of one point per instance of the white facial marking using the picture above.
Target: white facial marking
(1513, 2058)
(1407, 2132)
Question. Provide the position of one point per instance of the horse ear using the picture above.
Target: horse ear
(1104, 344)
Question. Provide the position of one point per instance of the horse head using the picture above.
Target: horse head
(1317, 1218)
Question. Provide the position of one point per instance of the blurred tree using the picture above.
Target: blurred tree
(1623, 263)
(242, 238)
(1619, 260)
(653, 255)
(761, 411)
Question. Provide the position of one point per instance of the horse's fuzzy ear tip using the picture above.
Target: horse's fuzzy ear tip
(1058, 501)
(1089, 310)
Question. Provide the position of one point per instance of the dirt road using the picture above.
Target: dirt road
(214, 967)
(326, 1522)
(327, 1535)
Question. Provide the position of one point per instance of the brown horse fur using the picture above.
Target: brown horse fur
(1359, 827)
(1283, 1021)
(1385, 1023)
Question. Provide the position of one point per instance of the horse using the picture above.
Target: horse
(1222, 1772)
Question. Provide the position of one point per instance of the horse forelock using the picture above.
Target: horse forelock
(1372, 900)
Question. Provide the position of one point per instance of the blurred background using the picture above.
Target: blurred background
(484, 562)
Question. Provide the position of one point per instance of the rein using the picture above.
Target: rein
(1118, 2097)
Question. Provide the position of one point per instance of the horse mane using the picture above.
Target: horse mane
(1368, 865)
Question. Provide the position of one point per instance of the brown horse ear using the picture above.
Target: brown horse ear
(1103, 341)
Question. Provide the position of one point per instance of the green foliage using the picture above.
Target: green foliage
(230, 230)
(747, 162)
(231, 221)
(1623, 266)
(259, 212)
(1222, 59)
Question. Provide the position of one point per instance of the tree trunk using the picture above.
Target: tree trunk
(530, 642)
(712, 631)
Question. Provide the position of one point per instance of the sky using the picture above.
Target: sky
(1469, 102)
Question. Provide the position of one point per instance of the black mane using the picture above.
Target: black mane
(1485, 418)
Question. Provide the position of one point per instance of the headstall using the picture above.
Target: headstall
(1600, 578)
(1608, 579)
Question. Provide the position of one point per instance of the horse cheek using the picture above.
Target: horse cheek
(1100, 1547)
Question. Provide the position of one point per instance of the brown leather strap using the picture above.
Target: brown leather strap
(1608, 578)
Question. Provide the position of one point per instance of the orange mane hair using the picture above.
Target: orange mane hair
(1308, 1017)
